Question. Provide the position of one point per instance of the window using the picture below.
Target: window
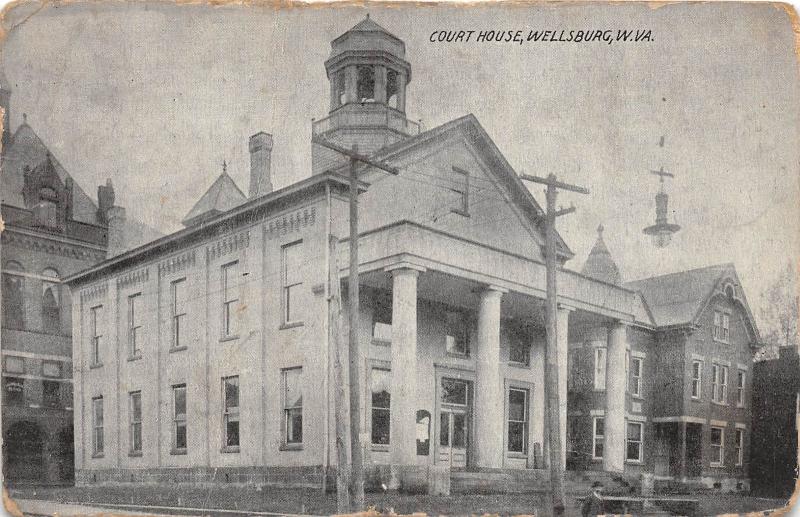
(292, 406)
(455, 392)
(51, 369)
(178, 289)
(96, 318)
(633, 451)
(179, 418)
(739, 447)
(598, 434)
(13, 391)
(456, 337)
(717, 446)
(51, 394)
(230, 299)
(382, 321)
(135, 324)
(519, 351)
(719, 383)
(740, 388)
(722, 325)
(365, 83)
(392, 88)
(627, 371)
(380, 385)
(15, 364)
(97, 426)
(136, 421)
(636, 376)
(292, 282)
(13, 296)
(518, 420)
(600, 368)
(230, 412)
(459, 184)
(697, 379)
(339, 94)
(51, 302)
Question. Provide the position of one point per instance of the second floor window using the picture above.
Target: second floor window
(179, 417)
(51, 302)
(719, 387)
(96, 329)
(518, 420)
(722, 325)
(381, 405)
(135, 324)
(13, 297)
(740, 376)
(293, 406)
(51, 394)
(13, 391)
(600, 368)
(97, 426)
(292, 261)
(519, 351)
(382, 321)
(230, 299)
(636, 376)
(178, 313)
(697, 379)
(230, 411)
(457, 334)
(136, 421)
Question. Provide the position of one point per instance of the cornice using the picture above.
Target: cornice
(291, 222)
(52, 246)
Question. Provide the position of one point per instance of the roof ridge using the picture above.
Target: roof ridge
(683, 272)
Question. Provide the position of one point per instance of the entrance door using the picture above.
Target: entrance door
(453, 437)
(454, 423)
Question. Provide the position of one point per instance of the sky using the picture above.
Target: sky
(155, 96)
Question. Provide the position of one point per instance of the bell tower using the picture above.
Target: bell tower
(368, 76)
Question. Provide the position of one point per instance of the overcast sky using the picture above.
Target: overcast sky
(156, 96)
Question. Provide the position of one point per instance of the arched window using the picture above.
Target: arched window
(51, 302)
(13, 296)
(365, 87)
(392, 88)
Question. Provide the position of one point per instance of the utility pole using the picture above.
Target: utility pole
(356, 449)
(553, 402)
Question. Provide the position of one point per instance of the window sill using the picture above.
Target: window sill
(514, 364)
(517, 455)
(291, 447)
(228, 338)
(634, 462)
(720, 340)
(380, 447)
(290, 325)
(637, 397)
(456, 355)
(135, 454)
(97, 455)
(723, 404)
(178, 452)
(381, 342)
(716, 465)
(95, 365)
(178, 348)
(696, 399)
(598, 460)
(134, 357)
(230, 449)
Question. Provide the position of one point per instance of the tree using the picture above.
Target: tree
(779, 306)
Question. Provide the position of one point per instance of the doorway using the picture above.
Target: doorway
(454, 422)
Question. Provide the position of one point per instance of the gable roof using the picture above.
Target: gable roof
(220, 197)
(678, 299)
(477, 136)
(26, 149)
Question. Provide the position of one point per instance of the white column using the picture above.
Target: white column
(402, 423)
(489, 398)
(562, 349)
(614, 440)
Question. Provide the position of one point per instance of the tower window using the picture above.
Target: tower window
(339, 95)
(392, 88)
(366, 84)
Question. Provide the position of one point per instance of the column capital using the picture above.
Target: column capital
(492, 288)
(618, 324)
(566, 308)
(404, 267)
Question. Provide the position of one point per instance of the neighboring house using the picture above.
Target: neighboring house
(776, 395)
(206, 355)
(52, 229)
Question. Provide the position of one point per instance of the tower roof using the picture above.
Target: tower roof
(600, 264)
(220, 197)
(368, 36)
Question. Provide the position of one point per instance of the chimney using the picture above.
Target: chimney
(105, 200)
(115, 216)
(260, 159)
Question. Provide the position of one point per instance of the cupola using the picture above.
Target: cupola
(600, 264)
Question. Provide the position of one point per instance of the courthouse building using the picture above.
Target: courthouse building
(206, 356)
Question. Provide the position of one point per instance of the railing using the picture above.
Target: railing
(374, 115)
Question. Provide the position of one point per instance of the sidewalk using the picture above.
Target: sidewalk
(39, 507)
